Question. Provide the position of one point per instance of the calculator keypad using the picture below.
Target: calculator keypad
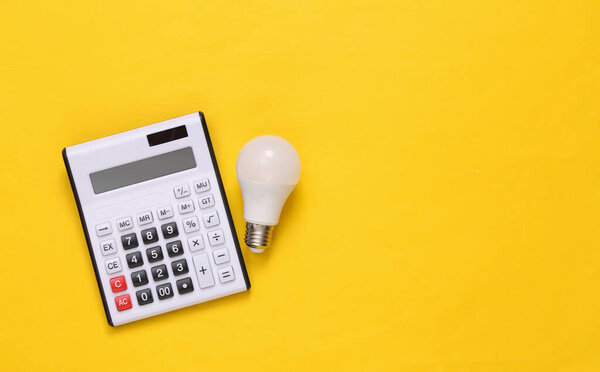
(172, 271)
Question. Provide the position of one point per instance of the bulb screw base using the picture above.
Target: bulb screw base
(258, 237)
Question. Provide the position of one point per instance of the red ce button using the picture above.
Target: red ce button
(118, 284)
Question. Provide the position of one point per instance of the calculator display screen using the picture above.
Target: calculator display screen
(143, 170)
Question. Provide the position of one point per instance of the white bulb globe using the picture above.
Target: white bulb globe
(268, 169)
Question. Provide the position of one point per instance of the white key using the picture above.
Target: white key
(103, 229)
(201, 186)
(210, 219)
(113, 265)
(125, 223)
(206, 201)
(164, 212)
(203, 271)
(186, 207)
(216, 237)
(221, 256)
(191, 224)
(181, 191)
(226, 275)
(145, 218)
(196, 243)
(108, 247)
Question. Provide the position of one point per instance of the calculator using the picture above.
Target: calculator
(156, 219)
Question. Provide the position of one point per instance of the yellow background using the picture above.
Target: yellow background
(447, 217)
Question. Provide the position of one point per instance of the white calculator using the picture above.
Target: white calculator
(156, 219)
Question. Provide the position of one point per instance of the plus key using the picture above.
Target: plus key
(203, 271)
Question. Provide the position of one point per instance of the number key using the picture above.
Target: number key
(179, 267)
(144, 296)
(159, 272)
(154, 254)
(164, 291)
(169, 230)
(174, 248)
(139, 278)
(149, 235)
(134, 259)
(129, 241)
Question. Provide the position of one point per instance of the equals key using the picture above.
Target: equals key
(226, 275)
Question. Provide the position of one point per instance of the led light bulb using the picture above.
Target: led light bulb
(268, 169)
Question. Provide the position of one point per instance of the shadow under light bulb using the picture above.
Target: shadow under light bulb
(268, 169)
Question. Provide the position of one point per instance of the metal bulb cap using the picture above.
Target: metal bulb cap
(258, 237)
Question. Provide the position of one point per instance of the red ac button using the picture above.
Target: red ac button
(118, 284)
(123, 302)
